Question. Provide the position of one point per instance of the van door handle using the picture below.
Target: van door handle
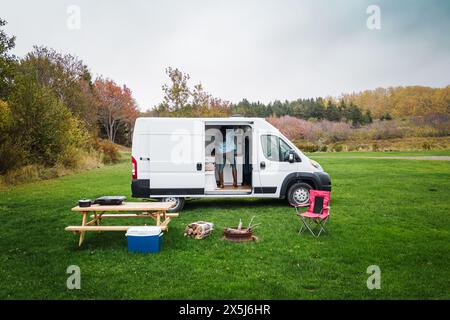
(262, 165)
(144, 159)
(199, 166)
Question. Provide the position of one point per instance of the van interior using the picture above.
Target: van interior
(216, 136)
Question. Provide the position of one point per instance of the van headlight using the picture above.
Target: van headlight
(316, 165)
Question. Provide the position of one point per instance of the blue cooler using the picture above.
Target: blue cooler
(144, 239)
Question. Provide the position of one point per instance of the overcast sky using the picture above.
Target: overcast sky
(259, 50)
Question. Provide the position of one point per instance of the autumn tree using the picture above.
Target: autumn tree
(7, 62)
(182, 101)
(117, 110)
(7, 68)
(42, 128)
(176, 95)
(402, 101)
(68, 77)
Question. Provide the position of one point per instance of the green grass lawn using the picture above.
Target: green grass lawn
(390, 213)
(423, 153)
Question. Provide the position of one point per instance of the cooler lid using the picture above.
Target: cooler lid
(143, 231)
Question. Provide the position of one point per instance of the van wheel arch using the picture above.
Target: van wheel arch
(293, 178)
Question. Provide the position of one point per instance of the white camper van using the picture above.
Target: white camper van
(178, 158)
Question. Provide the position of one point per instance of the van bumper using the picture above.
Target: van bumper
(323, 181)
(140, 188)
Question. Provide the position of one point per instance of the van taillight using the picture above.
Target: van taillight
(134, 168)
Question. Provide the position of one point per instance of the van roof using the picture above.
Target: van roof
(234, 118)
(261, 122)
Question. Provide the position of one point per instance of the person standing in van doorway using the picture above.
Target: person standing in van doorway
(227, 154)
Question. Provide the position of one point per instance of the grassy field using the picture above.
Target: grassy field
(390, 213)
(424, 153)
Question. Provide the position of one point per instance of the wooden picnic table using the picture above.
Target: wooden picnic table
(154, 210)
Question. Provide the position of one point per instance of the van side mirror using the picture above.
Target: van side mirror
(291, 157)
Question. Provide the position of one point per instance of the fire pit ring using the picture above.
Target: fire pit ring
(239, 235)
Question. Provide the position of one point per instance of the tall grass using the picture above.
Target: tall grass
(100, 152)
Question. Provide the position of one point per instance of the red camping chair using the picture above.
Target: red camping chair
(317, 214)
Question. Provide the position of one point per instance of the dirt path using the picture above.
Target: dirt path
(426, 158)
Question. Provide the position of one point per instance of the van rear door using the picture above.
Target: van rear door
(176, 157)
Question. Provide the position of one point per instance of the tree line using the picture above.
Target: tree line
(51, 108)
(181, 100)
(402, 101)
(307, 109)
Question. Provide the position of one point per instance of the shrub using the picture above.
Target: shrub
(379, 130)
(335, 131)
(83, 161)
(338, 148)
(23, 174)
(438, 123)
(76, 149)
(323, 131)
(42, 124)
(12, 156)
(426, 146)
(308, 147)
(109, 151)
(387, 135)
(292, 128)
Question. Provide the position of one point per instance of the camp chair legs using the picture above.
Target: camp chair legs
(312, 225)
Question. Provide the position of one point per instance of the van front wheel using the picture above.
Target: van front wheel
(179, 203)
(298, 194)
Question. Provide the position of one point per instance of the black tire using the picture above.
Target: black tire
(179, 203)
(298, 194)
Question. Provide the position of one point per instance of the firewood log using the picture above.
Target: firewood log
(199, 229)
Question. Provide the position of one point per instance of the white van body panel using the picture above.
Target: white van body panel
(167, 152)
(170, 157)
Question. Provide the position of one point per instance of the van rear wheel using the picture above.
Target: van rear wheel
(179, 203)
(298, 194)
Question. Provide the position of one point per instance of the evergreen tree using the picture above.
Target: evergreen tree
(367, 118)
(332, 113)
(355, 115)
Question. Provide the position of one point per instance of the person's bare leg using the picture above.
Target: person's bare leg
(234, 171)
(221, 179)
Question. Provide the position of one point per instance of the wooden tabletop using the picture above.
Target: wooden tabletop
(129, 206)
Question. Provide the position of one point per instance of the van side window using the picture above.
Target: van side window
(271, 147)
(275, 148)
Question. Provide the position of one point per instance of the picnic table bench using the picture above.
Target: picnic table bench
(154, 210)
